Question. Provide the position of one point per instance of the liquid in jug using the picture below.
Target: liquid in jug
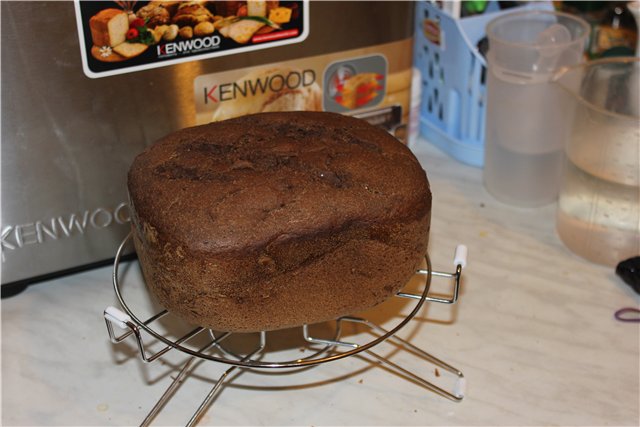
(598, 213)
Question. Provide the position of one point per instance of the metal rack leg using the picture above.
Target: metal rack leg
(207, 400)
(458, 393)
(173, 387)
(427, 356)
(216, 387)
(171, 390)
(457, 397)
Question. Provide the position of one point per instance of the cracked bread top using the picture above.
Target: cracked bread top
(245, 182)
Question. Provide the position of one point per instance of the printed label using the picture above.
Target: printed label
(355, 82)
(16, 236)
(124, 36)
(273, 87)
(433, 32)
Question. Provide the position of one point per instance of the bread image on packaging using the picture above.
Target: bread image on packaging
(257, 8)
(109, 27)
(276, 220)
(271, 90)
(241, 31)
(156, 13)
(192, 13)
(130, 50)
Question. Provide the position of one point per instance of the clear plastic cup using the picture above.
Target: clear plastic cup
(526, 122)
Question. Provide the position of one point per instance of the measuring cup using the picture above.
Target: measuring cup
(525, 122)
(598, 214)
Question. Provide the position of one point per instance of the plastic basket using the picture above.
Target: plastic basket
(452, 111)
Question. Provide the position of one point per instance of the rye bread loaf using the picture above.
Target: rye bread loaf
(277, 219)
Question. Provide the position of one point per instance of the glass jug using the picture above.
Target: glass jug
(598, 214)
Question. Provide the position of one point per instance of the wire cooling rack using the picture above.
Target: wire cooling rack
(205, 344)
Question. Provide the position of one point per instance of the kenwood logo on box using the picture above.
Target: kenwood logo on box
(188, 46)
(65, 226)
(274, 83)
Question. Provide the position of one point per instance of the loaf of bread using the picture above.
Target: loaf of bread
(109, 27)
(275, 220)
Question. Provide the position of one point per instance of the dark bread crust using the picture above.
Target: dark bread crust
(277, 219)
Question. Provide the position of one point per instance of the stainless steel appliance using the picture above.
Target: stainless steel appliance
(70, 133)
